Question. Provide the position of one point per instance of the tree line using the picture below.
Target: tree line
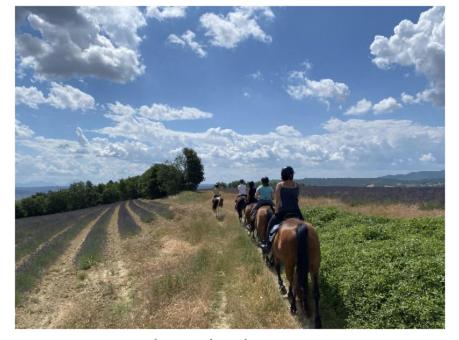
(160, 180)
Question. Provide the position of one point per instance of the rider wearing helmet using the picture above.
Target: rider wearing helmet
(286, 196)
(264, 194)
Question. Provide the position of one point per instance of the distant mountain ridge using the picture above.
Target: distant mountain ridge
(22, 192)
(418, 178)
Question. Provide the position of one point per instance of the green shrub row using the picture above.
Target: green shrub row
(378, 272)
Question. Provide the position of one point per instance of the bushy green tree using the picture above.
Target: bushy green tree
(57, 201)
(19, 210)
(34, 205)
(150, 184)
(190, 165)
(170, 179)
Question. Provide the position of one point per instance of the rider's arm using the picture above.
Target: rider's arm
(277, 197)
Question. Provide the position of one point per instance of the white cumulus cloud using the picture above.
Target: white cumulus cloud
(187, 39)
(76, 42)
(386, 105)
(362, 107)
(166, 12)
(30, 96)
(22, 130)
(60, 96)
(239, 25)
(420, 45)
(300, 86)
(428, 157)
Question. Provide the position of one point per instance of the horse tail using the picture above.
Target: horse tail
(302, 265)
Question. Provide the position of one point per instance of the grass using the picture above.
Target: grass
(224, 262)
(157, 207)
(144, 214)
(126, 224)
(33, 268)
(378, 272)
(91, 250)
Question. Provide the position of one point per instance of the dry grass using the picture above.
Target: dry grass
(386, 210)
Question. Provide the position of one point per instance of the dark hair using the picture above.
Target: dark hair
(265, 181)
(216, 185)
(251, 184)
(241, 181)
(287, 173)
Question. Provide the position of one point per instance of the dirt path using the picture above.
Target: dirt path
(47, 304)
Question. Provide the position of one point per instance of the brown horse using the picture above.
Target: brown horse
(249, 222)
(262, 218)
(296, 244)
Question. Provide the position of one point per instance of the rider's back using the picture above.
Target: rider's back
(289, 198)
(242, 189)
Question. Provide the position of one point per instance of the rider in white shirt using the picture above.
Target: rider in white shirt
(242, 188)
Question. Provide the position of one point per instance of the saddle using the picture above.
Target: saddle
(276, 227)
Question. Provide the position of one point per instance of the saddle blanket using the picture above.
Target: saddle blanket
(273, 232)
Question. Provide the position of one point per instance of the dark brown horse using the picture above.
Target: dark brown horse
(296, 245)
(241, 202)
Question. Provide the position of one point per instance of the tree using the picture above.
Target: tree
(150, 184)
(170, 179)
(57, 201)
(35, 205)
(190, 165)
(110, 194)
(19, 210)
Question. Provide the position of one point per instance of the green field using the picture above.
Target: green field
(378, 272)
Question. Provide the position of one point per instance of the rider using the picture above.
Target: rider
(286, 196)
(264, 194)
(241, 189)
(216, 192)
(252, 191)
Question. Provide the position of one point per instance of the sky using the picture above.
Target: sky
(104, 92)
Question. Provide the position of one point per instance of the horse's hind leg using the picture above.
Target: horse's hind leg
(316, 292)
(279, 278)
(289, 270)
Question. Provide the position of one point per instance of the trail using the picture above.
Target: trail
(300, 318)
(45, 306)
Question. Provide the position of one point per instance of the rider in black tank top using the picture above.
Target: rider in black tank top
(287, 205)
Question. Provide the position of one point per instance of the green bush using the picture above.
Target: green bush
(378, 272)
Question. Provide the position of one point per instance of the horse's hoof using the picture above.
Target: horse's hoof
(283, 290)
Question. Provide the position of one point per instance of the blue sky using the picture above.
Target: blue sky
(102, 93)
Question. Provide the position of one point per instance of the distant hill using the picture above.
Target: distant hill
(22, 192)
(419, 178)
